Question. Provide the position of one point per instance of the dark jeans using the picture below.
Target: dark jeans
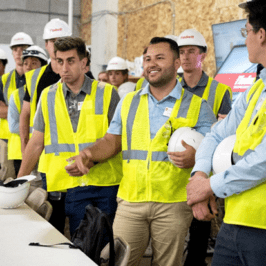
(199, 233)
(58, 216)
(240, 246)
(78, 198)
(17, 164)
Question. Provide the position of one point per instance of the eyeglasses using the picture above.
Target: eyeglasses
(245, 31)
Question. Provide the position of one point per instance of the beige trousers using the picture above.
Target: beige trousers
(166, 224)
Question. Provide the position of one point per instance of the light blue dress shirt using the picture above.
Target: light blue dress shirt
(246, 173)
(157, 108)
(13, 116)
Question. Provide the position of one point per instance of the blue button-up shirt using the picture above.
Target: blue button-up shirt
(156, 112)
(248, 172)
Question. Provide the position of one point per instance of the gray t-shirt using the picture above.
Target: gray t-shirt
(72, 101)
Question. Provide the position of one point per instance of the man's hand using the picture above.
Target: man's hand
(201, 210)
(198, 188)
(81, 165)
(184, 159)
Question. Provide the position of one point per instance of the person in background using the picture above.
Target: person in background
(193, 51)
(9, 82)
(36, 81)
(71, 115)
(103, 76)
(87, 68)
(32, 58)
(3, 61)
(118, 76)
(241, 239)
(151, 197)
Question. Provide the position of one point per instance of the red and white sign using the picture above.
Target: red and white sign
(237, 82)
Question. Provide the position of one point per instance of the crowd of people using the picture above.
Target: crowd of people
(104, 142)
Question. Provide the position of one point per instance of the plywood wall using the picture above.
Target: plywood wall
(140, 20)
(135, 29)
(85, 29)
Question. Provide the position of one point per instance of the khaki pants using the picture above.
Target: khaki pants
(166, 224)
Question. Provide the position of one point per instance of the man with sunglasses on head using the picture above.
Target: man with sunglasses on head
(241, 240)
(11, 81)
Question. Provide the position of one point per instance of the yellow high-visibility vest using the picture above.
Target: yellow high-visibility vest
(214, 93)
(248, 207)
(9, 85)
(14, 142)
(148, 175)
(61, 142)
(32, 80)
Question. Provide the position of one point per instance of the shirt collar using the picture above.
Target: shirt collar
(175, 93)
(263, 75)
(86, 87)
(202, 82)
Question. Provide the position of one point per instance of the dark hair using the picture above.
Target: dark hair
(172, 43)
(202, 49)
(256, 10)
(68, 43)
(4, 62)
(123, 71)
(89, 59)
(43, 62)
(145, 50)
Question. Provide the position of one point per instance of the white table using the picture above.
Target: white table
(19, 227)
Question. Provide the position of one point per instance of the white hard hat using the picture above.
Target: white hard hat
(117, 63)
(125, 88)
(189, 135)
(222, 157)
(243, 4)
(56, 28)
(3, 55)
(191, 37)
(172, 37)
(14, 196)
(21, 38)
(34, 51)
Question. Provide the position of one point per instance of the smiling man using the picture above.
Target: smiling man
(71, 115)
(241, 240)
(151, 196)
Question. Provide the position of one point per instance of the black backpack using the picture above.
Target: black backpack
(89, 236)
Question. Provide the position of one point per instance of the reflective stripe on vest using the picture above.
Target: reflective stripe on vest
(55, 147)
(34, 81)
(211, 95)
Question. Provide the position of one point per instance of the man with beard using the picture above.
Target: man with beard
(151, 196)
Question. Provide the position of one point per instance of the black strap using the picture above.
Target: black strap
(36, 244)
